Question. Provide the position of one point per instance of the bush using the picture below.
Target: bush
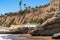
(36, 21)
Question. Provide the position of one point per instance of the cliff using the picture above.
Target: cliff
(22, 19)
(35, 14)
(52, 24)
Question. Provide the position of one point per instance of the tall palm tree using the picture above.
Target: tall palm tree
(25, 8)
(25, 5)
(20, 3)
(32, 9)
(29, 7)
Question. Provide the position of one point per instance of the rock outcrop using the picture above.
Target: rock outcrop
(52, 23)
(36, 13)
(50, 14)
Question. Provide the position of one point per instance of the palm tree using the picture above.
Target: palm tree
(33, 10)
(25, 5)
(25, 8)
(20, 3)
(29, 7)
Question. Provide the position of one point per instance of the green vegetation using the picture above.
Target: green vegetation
(13, 23)
(35, 21)
(26, 10)
(10, 14)
(21, 12)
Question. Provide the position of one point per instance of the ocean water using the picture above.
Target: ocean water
(4, 37)
(11, 37)
(15, 37)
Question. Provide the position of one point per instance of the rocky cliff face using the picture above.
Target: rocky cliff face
(45, 13)
(18, 20)
(52, 23)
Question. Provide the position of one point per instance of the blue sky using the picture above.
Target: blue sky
(13, 5)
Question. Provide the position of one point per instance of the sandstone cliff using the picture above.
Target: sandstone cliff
(50, 14)
(36, 13)
(52, 23)
(44, 13)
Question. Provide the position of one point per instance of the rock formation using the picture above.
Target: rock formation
(50, 14)
(52, 23)
(36, 13)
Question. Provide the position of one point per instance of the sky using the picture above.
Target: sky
(13, 5)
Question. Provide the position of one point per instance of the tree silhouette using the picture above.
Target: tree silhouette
(25, 5)
(29, 7)
(20, 3)
(25, 8)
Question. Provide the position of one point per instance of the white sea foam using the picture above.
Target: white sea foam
(4, 35)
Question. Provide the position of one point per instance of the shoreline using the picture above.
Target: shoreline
(28, 36)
